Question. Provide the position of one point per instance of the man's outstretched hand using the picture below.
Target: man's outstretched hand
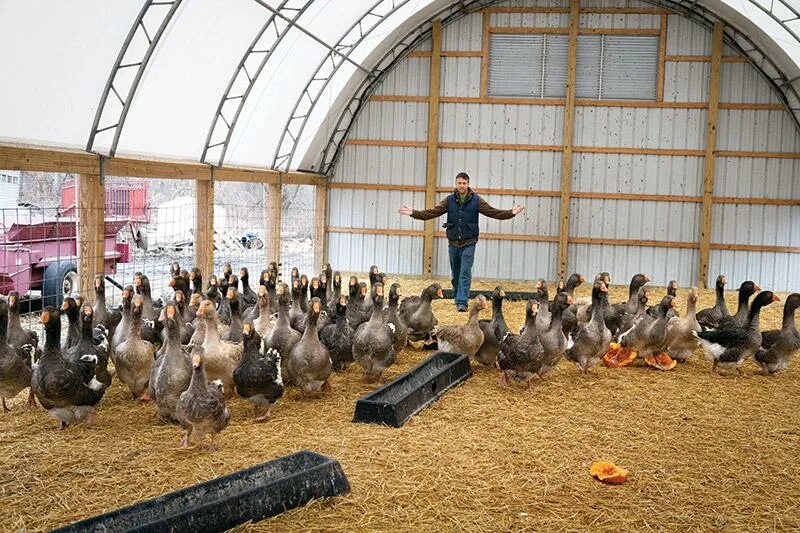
(516, 210)
(405, 210)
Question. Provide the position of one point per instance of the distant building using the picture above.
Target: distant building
(9, 189)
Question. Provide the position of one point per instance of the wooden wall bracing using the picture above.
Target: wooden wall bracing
(272, 213)
(432, 159)
(57, 160)
(711, 146)
(91, 232)
(320, 222)
(204, 227)
(566, 156)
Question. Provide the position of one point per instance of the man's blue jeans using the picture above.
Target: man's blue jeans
(461, 267)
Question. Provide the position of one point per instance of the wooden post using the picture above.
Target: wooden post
(320, 221)
(662, 55)
(711, 146)
(487, 18)
(91, 231)
(204, 227)
(433, 145)
(272, 242)
(566, 155)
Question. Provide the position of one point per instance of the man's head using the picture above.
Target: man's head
(462, 183)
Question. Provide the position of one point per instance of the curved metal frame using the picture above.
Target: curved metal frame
(789, 93)
(241, 68)
(137, 27)
(284, 157)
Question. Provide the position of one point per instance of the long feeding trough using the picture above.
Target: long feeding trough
(253, 494)
(397, 401)
(512, 296)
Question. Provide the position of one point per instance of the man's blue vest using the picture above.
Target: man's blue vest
(462, 219)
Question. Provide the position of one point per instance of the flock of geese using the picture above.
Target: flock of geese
(190, 354)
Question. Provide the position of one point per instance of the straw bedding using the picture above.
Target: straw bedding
(704, 452)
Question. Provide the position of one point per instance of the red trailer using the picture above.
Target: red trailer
(38, 252)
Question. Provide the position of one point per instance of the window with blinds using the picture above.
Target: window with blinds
(609, 67)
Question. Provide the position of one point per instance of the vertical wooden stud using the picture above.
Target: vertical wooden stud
(662, 57)
(204, 227)
(272, 241)
(711, 146)
(487, 18)
(433, 145)
(91, 232)
(320, 220)
(566, 155)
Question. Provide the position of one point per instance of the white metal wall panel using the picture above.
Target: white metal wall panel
(636, 174)
(686, 81)
(757, 130)
(393, 121)
(630, 67)
(411, 77)
(619, 20)
(396, 254)
(465, 35)
(640, 127)
(771, 270)
(587, 66)
(768, 225)
(757, 177)
(622, 262)
(365, 208)
(515, 65)
(627, 219)
(494, 259)
(497, 123)
(461, 76)
(741, 83)
(389, 165)
(529, 20)
(685, 37)
(502, 169)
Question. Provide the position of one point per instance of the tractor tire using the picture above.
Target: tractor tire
(60, 281)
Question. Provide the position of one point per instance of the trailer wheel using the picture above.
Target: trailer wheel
(60, 281)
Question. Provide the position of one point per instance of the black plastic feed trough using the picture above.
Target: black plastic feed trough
(253, 494)
(510, 295)
(397, 401)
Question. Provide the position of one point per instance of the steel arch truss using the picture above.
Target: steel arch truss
(307, 100)
(113, 112)
(788, 89)
(242, 81)
(411, 40)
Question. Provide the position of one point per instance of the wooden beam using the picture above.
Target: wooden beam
(632, 242)
(377, 231)
(711, 146)
(448, 53)
(524, 29)
(320, 216)
(620, 31)
(662, 53)
(569, 124)
(512, 9)
(381, 142)
(272, 214)
(56, 160)
(757, 248)
(431, 177)
(485, 54)
(637, 151)
(496, 146)
(705, 59)
(91, 232)
(204, 227)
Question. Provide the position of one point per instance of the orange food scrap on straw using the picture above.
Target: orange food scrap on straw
(608, 472)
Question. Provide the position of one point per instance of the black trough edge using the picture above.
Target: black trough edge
(397, 401)
(254, 493)
(510, 295)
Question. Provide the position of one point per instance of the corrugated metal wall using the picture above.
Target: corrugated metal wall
(592, 219)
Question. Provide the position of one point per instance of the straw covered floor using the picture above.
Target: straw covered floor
(704, 452)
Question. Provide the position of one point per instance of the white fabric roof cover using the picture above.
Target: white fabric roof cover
(58, 55)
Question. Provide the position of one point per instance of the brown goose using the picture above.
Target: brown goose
(258, 377)
(591, 340)
(465, 339)
(487, 354)
(201, 407)
(15, 365)
(172, 371)
(746, 290)
(282, 337)
(709, 318)
(65, 388)
(728, 347)
(681, 342)
(310, 363)
(134, 356)
(417, 313)
(778, 345)
(373, 342)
